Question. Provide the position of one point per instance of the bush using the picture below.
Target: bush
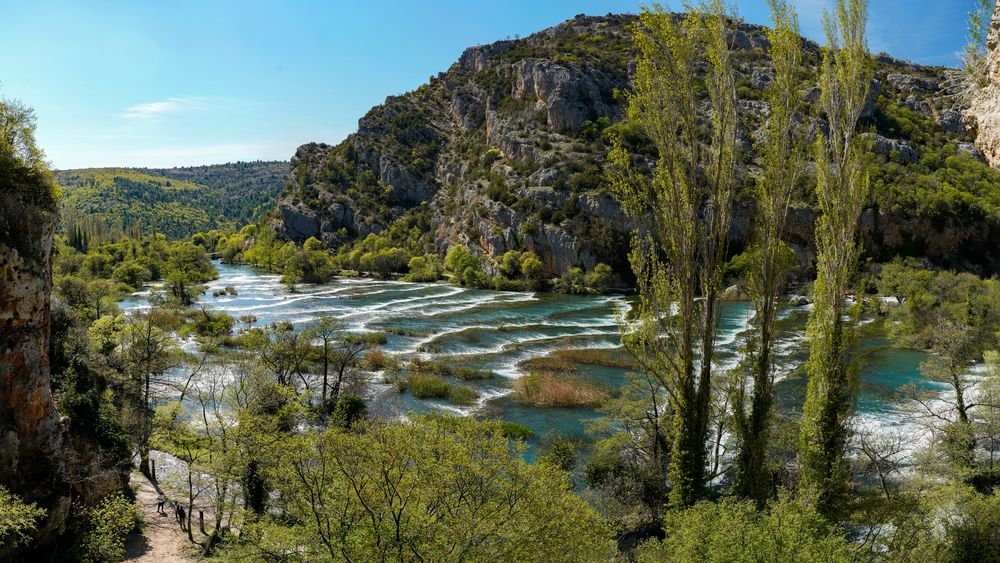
(548, 390)
(17, 520)
(427, 386)
(461, 395)
(516, 431)
(208, 323)
(349, 410)
(733, 530)
(560, 453)
(107, 525)
(974, 533)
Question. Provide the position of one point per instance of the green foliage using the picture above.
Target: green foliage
(575, 280)
(429, 503)
(842, 190)
(90, 281)
(348, 411)
(731, 530)
(972, 534)
(465, 266)
(211, 323)
(18, 520)
(424, 269)
(107, 203)
(23, 171)
(107, 525)
(515, 431)
(955, 318)
(767, 263)
(944, 186)
(560, 452)
(462, 395)
(678, 251)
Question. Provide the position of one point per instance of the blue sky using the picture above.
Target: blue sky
(184, 82)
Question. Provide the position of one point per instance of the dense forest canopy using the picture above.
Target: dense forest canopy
(178, 202)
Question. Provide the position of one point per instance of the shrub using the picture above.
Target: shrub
(426, 386)
(548, 390)
(349, 410)
(732, 530)
(107, 525)
(377, 360)
(208, 323)
(973, 533)
(461, 395)
(516, 431)
(17, 519)
(560, 452)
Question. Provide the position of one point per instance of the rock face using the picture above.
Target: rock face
(506, 151)
(31, 435)
(983, 115)
(41, 460)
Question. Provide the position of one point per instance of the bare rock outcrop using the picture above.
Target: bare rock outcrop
(983, 114)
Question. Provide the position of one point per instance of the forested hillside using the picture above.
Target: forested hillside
(177, 202)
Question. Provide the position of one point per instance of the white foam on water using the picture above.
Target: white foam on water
(390, 304)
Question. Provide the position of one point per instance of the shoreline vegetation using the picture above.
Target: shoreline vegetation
(273, 438)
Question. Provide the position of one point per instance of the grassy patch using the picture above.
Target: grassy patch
(607, 357)
(548, 390)
(427, 386)
(516, 431)
(550, 364)
(429, 367)
(461, 395)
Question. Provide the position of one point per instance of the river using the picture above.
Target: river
(495, 331)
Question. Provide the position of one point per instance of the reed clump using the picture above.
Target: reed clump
(551, 390)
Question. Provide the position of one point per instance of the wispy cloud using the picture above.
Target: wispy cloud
(172, 105)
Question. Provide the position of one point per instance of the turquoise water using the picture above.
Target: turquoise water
(495, 331)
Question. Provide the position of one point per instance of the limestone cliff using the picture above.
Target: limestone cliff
(506, 151)
(983, 114)
(31, 435)
(41, 459)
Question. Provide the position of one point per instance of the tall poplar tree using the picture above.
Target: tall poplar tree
(842, 188)
(782, 163)
(684, 212)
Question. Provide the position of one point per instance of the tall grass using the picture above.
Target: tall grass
(430, 367)
(427, 386)
(607, 357)
(550, 390)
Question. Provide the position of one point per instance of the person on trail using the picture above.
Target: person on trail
(181, 516)
(160, 500)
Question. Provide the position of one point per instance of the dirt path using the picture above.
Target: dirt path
(163, 540)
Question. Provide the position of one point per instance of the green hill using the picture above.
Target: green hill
(177, 202)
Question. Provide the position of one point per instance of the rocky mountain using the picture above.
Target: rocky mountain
(175, 201)
(506, 151)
